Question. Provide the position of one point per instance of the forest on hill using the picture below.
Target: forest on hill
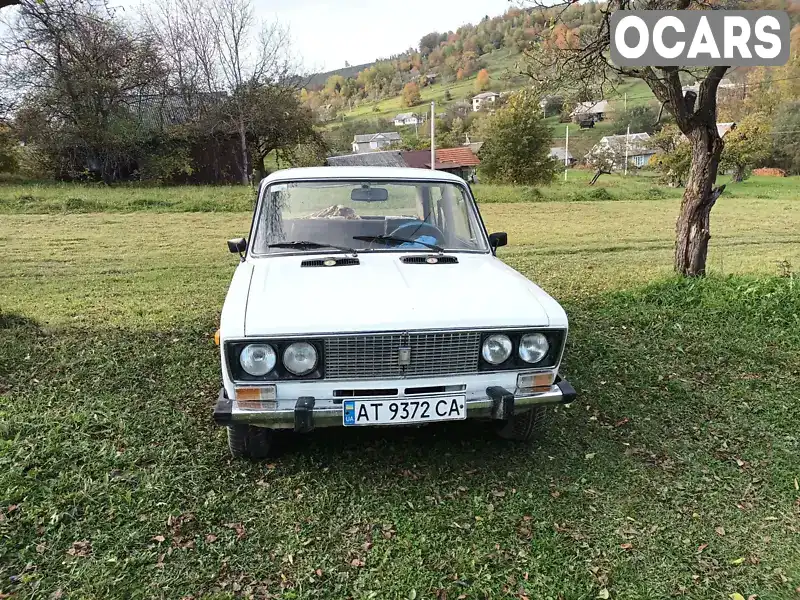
(447, 57)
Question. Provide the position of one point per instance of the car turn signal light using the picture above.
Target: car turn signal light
(534, 382)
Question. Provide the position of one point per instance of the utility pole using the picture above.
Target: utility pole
(433, 135)
(627, 136)
(566, 155)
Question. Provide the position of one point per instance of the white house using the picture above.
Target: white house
(612, 149)
(371, 142)
(407, 119)
(594, 110)
(480, 100)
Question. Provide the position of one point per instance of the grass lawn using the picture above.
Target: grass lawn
(674, 475)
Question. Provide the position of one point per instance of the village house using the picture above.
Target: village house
(407, 119)
(592, 111)
(562, 156)
(612, 150)
(459, 161)
(372, 142)
(484, 99)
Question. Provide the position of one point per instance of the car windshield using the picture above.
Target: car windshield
(374, 216)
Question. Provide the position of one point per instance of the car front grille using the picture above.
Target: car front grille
(377, 356)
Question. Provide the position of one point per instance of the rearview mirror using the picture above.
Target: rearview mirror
(237, 246)
(369, 194)
(498, 239)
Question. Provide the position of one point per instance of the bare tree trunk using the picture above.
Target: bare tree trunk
(245, 162)
(693, 230)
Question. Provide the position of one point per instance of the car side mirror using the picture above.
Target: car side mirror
(498, 239)
(238, 246)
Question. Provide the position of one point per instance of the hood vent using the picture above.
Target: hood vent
(432, 259)
(330, 262)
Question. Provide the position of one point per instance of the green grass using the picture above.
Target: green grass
(66, 198)
(683, 445)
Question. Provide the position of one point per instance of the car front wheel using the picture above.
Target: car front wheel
(246, 441)
(524, 426)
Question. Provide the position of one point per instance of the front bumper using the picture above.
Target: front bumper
(498, 404)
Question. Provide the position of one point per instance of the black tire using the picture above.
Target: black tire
(246, 441)
(524, 426)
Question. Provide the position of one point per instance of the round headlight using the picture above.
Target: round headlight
(300, 358)
(497, 349)
(257, 359)
(533, 347)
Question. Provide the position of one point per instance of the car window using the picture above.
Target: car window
(296, 217)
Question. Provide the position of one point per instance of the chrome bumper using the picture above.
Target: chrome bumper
(499, 404)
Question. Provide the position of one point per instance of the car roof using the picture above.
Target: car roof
(395, 173)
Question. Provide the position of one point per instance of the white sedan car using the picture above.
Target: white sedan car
(371, 296)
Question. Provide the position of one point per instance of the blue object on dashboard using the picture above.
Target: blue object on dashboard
(425, 239)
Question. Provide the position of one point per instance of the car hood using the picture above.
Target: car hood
(384, 294)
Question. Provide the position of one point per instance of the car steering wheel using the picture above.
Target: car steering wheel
(418, 228)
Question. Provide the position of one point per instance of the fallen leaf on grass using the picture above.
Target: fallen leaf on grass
(701, 548)
(40, 548)
(737, 561)
(81, 548)
(211, 538)
(624, 421)
(741, 463)
(356, 562)
(318, 572)
(626, 546)
(720, 531)
(736, 597)
(604, 594)
(240, 531)
(159, 538)
(590, 456)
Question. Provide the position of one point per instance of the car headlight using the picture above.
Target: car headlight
(533, 347)
(300, 358)
(257, 359)
(496, 349)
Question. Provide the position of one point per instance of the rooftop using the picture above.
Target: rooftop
(638, 143)
(484, 95)
(592, 107)
(360, 173)
(388, 158)
(368, 137)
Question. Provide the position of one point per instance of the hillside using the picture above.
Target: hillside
(317, 81)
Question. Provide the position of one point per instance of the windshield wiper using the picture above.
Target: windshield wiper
(311, 246)
(390, 239)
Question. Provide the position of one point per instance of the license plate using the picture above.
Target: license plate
(401, 412)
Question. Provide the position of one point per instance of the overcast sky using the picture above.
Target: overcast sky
(327, 33)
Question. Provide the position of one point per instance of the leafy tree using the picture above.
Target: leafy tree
(483, 81)
(582, 65)
(80, 66)
(8, 150)
(516, 148)
(747, 146)
(411, 95)
(673, 156)
(430, 42)
(642, 119)
(447, 95)
(786, 146)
